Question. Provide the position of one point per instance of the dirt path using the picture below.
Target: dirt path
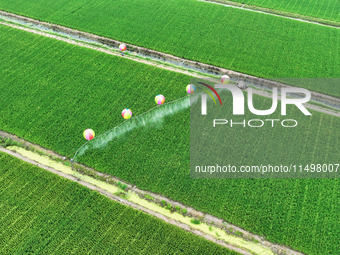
(161, 60)
(211, 227)
(278, 13)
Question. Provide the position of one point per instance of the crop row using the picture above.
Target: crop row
(52, 91)
(43, 213)
(248, 42)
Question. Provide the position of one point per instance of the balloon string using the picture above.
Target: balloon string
(123, 123)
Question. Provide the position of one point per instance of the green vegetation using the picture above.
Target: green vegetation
(52, 91)
(169, 206)
(122, 186)
(8, 142)
(325, 9)
(76, 84)
(194, 221)
(147, 196)
(44, 213)
(253, 43)
(238, 233)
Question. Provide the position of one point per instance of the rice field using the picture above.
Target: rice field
(44, 213)
(52, 91)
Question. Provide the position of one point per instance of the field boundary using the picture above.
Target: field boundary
(82, 174)
(289, 15)
(159, 59)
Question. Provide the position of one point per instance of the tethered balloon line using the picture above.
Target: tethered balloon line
(123, 123)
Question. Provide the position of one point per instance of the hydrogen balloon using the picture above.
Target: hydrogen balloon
(225, 79)
(191, 88)
(122, 47)
(159, 99)
(89, 134)
(127, 113)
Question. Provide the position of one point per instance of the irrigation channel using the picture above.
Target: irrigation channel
(210, 227)
(319, 102)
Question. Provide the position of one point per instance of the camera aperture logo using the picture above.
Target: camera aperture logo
(238, 105)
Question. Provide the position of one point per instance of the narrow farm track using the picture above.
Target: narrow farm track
(288, 15)
(244, 246)
(154, 58)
